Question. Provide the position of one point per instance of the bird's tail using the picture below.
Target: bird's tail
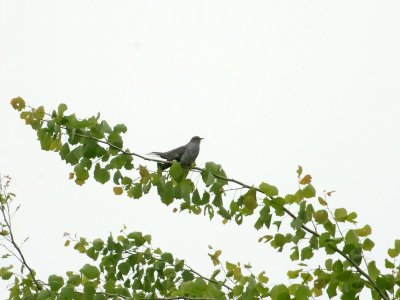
(154, 153)
(160, 154)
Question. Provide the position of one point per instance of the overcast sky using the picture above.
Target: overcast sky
(268, 84)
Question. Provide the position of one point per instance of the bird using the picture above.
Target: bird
(186, 154)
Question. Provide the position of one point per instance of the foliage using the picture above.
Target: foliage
(128, 267)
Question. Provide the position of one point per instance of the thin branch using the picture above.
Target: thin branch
(208, 279)
(14, 243)
(288, 212)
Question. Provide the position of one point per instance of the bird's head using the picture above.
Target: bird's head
(196, 139)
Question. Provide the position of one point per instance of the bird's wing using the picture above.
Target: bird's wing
(174, 154)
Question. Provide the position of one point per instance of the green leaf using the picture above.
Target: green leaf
(351, 217)
(179, 264)
(397, 245)
(67, 293)
(43, 295)
(309, 191)
(187, 275)
(55, 282)
(306, 253)
(136, 191)
(98, 244)
(321, 216)
(120, 128)
(373, 270)
(365, 231)
(115, 139)
(351, 237)
(294, 274)
(279, 240)
(64, 151)
(89, 289)
(302, 293)
(105, 127)
(101, 175)
(138, 237)
(176, 171)
(61, 109)
(196, 197)
(290, 199)
(393, 253)
(81, 173)
(328, 264)
(166, 192)
(385, 282)
(237, 290)
(389, 264)
(7, 275)
(340, 214)
(295, 253)
(74, 280)
(124, 268)
(268, 189)
(167, 257)
(90, 149)
(368, 244)
(280, 292)
(90, 272)
(117, 176)
(74, 156)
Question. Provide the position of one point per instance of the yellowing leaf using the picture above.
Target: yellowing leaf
(267, 238)
(294, 274)
(262, 278)
(224, 221)
(118, 190)
(18, 103)
(79, 182)
(299, 171)
(143, 171)
(250, 202)
(365, 231)
(39, 113)
(306, 179)
(71, 175)
(67, 242)
(214, 257)
(330, 193)
(393, 252)
(322, 201)
(175, 210)
(248, 266)
(237, 272)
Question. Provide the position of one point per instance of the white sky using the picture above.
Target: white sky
(268, 84)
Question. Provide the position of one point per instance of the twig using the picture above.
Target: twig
(13, 242)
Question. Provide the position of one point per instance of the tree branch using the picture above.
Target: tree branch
(288, 212)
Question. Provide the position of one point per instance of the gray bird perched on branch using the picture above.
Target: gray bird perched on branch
(186, 154)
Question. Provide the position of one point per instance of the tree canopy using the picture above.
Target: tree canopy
(128, 266)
